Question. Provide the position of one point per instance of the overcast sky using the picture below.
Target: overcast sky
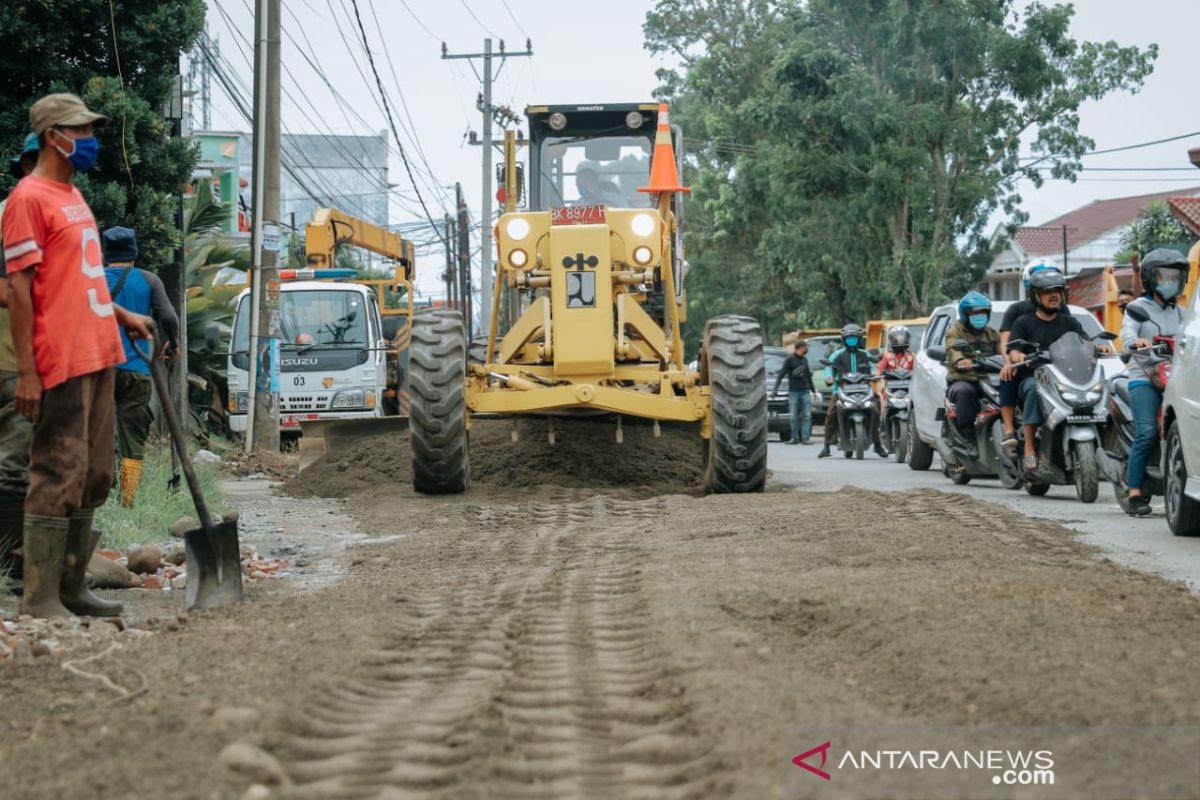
(592, 52)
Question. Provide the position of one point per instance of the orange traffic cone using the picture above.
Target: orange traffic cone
(664, 177)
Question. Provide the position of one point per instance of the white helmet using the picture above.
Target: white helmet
(1037, 265)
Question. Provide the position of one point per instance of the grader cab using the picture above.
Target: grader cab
(593, 274)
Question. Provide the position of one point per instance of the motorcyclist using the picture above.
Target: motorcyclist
(1008, 385)
(898, 356)
(1164, 273)
(974, 313)
(848, 359)
(1049, 323)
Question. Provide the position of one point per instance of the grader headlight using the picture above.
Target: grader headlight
(518, 258)
(517, 228)
(643, 225)
(642, 255)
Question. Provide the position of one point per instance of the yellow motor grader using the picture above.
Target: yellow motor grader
(593, 274)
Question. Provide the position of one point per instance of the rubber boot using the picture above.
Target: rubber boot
(131, 478)
(81, 543)
(12, 530)
(45, 543)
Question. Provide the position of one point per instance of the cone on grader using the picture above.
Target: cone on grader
(592, 277)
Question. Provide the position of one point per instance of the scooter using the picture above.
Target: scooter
(855, 405)
(981, 455)
(1113, 457)
(1072, 392)
(895, 404)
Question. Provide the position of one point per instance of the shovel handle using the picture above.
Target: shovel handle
(178, 440)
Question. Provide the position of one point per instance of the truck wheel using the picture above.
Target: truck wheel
(1087, 479)
(438, 416)
(1183, 513)
(920, 455)
(733, 364)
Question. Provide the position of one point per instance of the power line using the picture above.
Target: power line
(420, 24)
(513, 16)
(477, 20)
(392, 123)
(1143, 144)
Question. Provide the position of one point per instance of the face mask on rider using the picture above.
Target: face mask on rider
(978, 321)
(851, 341)
(84, 151)
(1167, 290)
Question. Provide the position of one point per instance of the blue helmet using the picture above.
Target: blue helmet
(1037, 265)
(973, 303)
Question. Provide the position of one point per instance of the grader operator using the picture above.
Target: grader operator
(597, 266)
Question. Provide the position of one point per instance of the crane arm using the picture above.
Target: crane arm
(330, 228)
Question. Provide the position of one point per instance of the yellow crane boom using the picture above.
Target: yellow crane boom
(330, 228)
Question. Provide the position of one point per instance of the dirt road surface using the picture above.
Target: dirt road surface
(568, 643)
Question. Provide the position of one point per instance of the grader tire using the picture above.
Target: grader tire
(477, 352)
(734, 369)
(438, 421)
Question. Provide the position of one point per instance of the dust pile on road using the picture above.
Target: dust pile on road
(599, 647)
(585, 455)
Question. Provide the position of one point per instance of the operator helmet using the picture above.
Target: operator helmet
(1045, 281)
(898, 339)
(853, 335)
(971, 305)
(1037, 265)
(1164, 265)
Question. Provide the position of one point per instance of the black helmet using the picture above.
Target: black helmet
(898, 338)
(855, 331)
(1162, 258)
(1045, 281)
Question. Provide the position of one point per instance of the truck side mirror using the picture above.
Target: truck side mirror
(936, 353)
(212, 337)
(391, 326)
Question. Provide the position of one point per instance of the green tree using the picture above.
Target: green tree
(1154, 227)
(849, 153)
(68, 46)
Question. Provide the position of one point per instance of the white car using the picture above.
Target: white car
(928, 391)
(1181, 428)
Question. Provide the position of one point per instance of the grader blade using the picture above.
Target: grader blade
(330, 435)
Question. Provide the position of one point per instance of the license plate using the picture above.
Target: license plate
(578, 215)
(294, 420)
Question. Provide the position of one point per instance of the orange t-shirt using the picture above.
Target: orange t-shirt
(49, 227)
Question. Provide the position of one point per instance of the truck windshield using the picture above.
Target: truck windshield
(596, 171)
(312, 317)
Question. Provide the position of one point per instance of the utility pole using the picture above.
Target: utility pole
(485, 107)
(1064, 234)
(449, 276)
(464, 259)
(262, 420)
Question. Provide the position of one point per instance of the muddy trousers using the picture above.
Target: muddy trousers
(71, 458)
(15, 434)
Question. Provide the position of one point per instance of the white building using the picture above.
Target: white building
(1082, 239)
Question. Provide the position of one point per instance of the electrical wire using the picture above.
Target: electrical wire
(477, 20)
(513, 16)
(112, 18)
(392, 124)
(417, 20)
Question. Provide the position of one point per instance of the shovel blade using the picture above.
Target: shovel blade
(214, 561)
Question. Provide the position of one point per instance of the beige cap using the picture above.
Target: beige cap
(66, 110)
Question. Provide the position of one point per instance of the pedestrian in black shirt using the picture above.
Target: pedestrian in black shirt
(800, 391)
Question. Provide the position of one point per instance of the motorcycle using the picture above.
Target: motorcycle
(982, 455)
(855, 405)
(1113, 457)
(1072, 392)
(895, 403)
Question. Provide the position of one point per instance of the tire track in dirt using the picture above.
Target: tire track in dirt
(537, 674)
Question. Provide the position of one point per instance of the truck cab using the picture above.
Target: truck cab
(334, 356)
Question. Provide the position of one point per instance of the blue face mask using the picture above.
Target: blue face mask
(978, 321)
(83, 154)
(1167, 290)
(851, 341)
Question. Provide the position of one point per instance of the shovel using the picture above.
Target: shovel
(213, 553)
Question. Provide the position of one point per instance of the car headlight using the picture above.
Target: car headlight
(642, 255)
(349, 398)
(642, 225)
(517, 228)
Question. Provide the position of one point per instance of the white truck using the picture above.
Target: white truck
(337, 361)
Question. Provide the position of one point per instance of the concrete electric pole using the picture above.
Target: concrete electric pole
(485, 221)
(262, 420)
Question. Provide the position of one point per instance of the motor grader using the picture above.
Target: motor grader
(592, 273)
